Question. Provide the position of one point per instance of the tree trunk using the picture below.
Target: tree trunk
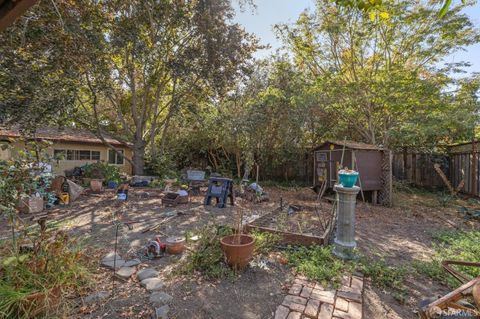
(238, 162)
(139, 157)
(164, 132)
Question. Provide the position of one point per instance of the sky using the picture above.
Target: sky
(270, 12)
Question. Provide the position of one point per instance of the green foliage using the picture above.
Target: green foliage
(207, 257)
(102, 170)
(445, 198)
(318, 263)
(382, 274)
(374, 87)
(265, 242)
(162, 166)
(36, 282)
(39, 68)
(452, 245)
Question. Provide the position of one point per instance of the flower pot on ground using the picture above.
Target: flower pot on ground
(175, 245)
(238, 250)
(96, 185)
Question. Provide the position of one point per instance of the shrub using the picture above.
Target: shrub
(35, 282)
(265, 242)
(207, 257)
(163, 166)
(102, 170)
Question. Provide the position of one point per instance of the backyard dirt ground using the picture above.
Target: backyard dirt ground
(400, 234)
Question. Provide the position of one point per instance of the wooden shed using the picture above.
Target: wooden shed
(373, 163)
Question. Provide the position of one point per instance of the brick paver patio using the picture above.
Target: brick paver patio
(307, 300)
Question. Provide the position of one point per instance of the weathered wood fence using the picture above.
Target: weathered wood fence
(460, 163)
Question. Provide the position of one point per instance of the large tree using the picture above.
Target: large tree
(377, 77)
(149, 59)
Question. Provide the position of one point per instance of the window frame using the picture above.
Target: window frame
(76, 155)
(116, 157)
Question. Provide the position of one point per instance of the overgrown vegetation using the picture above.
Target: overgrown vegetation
(37, 268)
(452, 245)
(265, 242)
(385, 276)
(319, 264)
(102, 170)
(207, 256)
(36, 281)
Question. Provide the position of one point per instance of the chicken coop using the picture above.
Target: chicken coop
(373, 163)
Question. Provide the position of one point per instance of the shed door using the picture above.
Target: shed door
(322, 166)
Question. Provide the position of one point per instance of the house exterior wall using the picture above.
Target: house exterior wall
(59, 166)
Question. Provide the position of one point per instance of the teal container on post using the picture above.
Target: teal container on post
(348, 180)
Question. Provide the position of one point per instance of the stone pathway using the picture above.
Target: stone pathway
(307, 300)
(147, 277)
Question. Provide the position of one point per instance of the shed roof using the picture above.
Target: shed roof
(67, 135)
(353, 145)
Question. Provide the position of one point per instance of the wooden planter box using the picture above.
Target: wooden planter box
(173, 199)
(291, 238)
(31, 205)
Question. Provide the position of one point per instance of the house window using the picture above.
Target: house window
(76, 155)
(115, 158)
(95, 155)
(85, 155)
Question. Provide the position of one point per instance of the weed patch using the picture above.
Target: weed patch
(319, 264)
(451, 245)
(265, 242)
(207, 256)
(34, 282)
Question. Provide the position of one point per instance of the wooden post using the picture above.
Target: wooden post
(414, 168)
(474, 167)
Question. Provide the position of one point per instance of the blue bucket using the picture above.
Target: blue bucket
(348, 180)
(112, 184)
(122, 195)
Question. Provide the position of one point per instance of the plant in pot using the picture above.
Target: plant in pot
(239, 247)
(94, 174)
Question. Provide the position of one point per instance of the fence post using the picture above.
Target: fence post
(474, 167)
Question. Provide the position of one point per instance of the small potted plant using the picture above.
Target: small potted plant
(238, 248)
(348, 177)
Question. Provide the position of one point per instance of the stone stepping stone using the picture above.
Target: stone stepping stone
(125, 272)
(97, 296)
(146, 273)
(160, 298)
(152, 284)
(118, 263)
(132, 263)
(111, 256)
(162, 312)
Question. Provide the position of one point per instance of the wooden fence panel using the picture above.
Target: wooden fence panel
(419, 169)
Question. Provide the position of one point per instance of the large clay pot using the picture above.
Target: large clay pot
(238, 250)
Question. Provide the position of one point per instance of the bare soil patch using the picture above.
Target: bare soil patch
(401, 234)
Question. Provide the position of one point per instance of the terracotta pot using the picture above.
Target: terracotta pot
(238, 253)
(96, 185)
(175, 245)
